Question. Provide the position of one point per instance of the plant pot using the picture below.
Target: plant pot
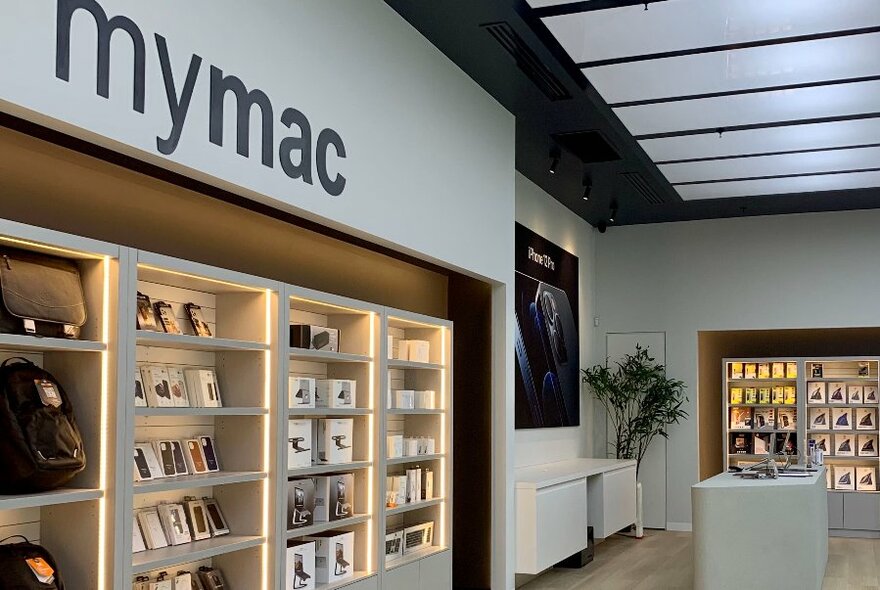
(640, 517)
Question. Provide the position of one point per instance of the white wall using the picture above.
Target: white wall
(794, 271)
(548, 217)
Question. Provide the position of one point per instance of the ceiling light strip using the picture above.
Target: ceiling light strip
(765, 154)
(751, 126)
(729, 47)
(776, 176)
(726, 93)
(587, 6)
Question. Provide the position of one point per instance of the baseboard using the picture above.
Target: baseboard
(684, 527)
(851, 534)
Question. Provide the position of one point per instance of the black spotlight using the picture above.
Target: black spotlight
(588, 187)
(602, 227)
(613, 212)
(555, 157)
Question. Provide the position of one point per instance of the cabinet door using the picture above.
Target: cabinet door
(619, 502)
(368, 584)
(561, 522)
(835, 510)
(861, 512)
(436, 572)
(403, 578)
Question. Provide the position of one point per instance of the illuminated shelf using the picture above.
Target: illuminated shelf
(415, 412)
(336, 468)
(847, 405)
(329, 411)
(154, 559)
(860, 380)
(204, 480)
(410, 506)
(324, 356)
(413, 557)
(51, 498)
(166, 412)
(187, 342)
(39, 344)
(396, 364)
(414, 459)
(320, 527)
(761, 381)
(872, 459)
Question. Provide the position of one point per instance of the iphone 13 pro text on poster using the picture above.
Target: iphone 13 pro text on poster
(546, 332)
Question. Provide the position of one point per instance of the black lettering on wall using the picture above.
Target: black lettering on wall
(105, 30)
(244, 100)
(326, 138)
(301, 143)
(177, 106)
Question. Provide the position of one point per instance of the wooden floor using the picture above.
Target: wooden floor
(663, 561)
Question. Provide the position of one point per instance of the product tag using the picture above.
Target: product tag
(48, 393)
(30, 327)
(42, 570)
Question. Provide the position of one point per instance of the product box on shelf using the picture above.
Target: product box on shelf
(870, 394)
(151, 526)
(736, 370)
(751, 371)
(837, 393)
(300, 566)
(778, 370)
(393, 544)
(140, 394)
(173, 519)
(736, 396)
(816, 370)
(314, 337)
(413, 484)
(867, 445)
(763, 394)
(158, 388)
(785, 445)
(204, 391)
(842, 419)
(301, 392)
(844, 477)
(740, 444)
(197, 517)
(866, 418)
(335, 439)
(177, 383)
(844, 445)
(396, 490)
(146, 463)
(402, 399)
(763, 370)
(425, 400)
(762, 444)
(394, 446)
(790, 395)
(427, 486)
(300, 503)
(418, 351)
(778, 394)
(751, 395)
(137, 537)
(195, 456)
(334, 497)
(786, 419)
(866, 479)
(334, 556)
(418, 537)
(791, 370)
(823, 442)
(820, 418)
(740, 418)
(855, 394)
(300, 447)
(765, 418)
(336, 393)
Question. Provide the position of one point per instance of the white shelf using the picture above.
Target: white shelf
(206, 480)
(416, 412)
(39, 344)
(324, 356)
(335, 468)
(358, 576)
(396, 364)
(169, 556)
(407, 559)
(414, 459)
(320, 527)
(187, 342)
(409, 507)
(166, 412)
(329, 411)
(51, 498)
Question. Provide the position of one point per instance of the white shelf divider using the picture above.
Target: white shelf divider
(51, 498)
(320, 527)
(40, 344)
(154, 559)
(321, 469)
(188, 342)
(184, 482)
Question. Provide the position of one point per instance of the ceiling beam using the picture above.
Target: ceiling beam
(588, 6)
(728, 47)
(743, 91)
(776, 176)
(766, 154)
(750, 126)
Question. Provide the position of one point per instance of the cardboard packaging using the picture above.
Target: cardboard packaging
(300, 503)
(157, 386)
(425, 400)
(393, 545)
(173, 519)
(842, 419)
(736, 370)
(866, 419)
(403, 399)
(335, 393)
(300, 568)
(335, 440)
(334, 556)
(334, 497)
(855, 394)
(397, 486)
(204, 391)
(844, 445)
(395, 446)
(867, 445)
(302, 392)
(816, 391)
(314, 337)
(837, 393)
(299, 443)
(177, 383)
(844, 478)
(736, 395)
(866, 479)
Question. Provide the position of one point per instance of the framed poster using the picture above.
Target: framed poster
(546, 332)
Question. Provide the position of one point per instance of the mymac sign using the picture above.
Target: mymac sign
(296, 153)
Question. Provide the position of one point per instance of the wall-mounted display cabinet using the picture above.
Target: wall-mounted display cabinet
(285, 437)
(779, 405)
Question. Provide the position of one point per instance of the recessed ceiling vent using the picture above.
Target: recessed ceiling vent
(590, 147)
(527, 61)
(642, 187)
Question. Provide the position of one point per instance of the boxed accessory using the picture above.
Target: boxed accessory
(842, 419)
(816, 370)
(178, 453)
(395, 445)
(417, 351)
(428, 478)
(741, 444)
(141, 583)
(197, 517)
(736, 395)
(820, 418)
(183, 581)
(751, 395)
(299, 438)
(195, 457)
(870, 394)
(397, 486)
(791, 370)
(790, 395)
(301, 566)
(173, 520)
(844, 478)
(740, 418)
(763, 394)
(864, 369)
(765, 418)
(212, 579)
(210, 453)
(334, 497)
(300, 503)
(402, 399)
(197, 320)
(151, 526)
(426, 400)
(866, 419)
(140, 396)
(736, 370)
(334, 556)
(762, 444)
(823, 442)
(165, 313)
(844, 445)
(778, 394)
(336, 393)
(778, 370)
(146, 465)
(215, 518)
(837, 393)
(418, 538)
(146, 318)
(314, 337)
(335, 437)
(855, 394)
(203, 388)
(158, 386)
(816, 392)
(301, 392)
(866, 479)
(137, 538)
(763, 370)
(410, 447)
(413, 484)
(393, 545)
(163, 582)
(751, 371)
(177, 385)
(867, 445)
(165, 453)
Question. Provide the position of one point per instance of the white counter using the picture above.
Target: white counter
(541, 476)
(768, 533)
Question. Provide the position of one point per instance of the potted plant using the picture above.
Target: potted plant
(640, 403)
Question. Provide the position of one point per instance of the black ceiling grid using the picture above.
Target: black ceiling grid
(506, 47)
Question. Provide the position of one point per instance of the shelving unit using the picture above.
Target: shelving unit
(241, 314)
(434, 374)
(75, 523)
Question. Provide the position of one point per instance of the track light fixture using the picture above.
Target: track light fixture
(588, 187)
(613, 211)
(555, 157)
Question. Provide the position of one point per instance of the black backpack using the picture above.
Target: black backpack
(17, 574)
(40, 445)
